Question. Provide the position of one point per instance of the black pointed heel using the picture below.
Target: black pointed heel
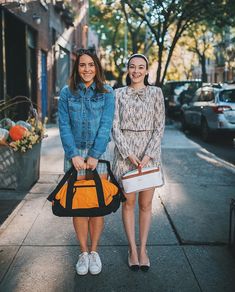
(145, 267)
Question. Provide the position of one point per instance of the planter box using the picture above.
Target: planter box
(19, 171)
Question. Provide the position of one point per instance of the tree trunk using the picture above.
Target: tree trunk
(119, 82)
(203, 67)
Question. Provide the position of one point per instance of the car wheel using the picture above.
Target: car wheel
(205, 131)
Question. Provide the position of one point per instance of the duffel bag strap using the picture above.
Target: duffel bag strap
(61, 183)
(99, 187)
(113, 179)
(70, 194)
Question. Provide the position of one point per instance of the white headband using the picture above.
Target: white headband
(138, 55)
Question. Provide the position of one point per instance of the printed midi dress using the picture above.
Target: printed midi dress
(138, 127)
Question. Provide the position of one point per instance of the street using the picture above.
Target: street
(222, 145)
(187, 242)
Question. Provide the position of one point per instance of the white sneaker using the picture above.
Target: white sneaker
(83, 263)
(95, 265)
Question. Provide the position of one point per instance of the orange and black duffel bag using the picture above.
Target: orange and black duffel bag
(86, 198)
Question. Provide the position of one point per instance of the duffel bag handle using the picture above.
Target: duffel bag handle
(139, 167)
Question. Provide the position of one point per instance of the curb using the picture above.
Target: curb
(12, 216)
(221, 161)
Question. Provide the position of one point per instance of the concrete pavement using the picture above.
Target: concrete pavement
(187, 241)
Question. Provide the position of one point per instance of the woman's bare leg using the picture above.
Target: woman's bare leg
(81, 228)
(145, 215)
(96, 226)
(128, 217)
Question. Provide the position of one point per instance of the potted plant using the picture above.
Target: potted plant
(20, 146)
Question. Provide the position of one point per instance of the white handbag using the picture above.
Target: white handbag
(142, 178)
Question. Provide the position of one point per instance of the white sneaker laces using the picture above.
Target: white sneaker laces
(82, 258)
(94, 259)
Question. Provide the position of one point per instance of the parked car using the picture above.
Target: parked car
(176, 92)
(211, 109)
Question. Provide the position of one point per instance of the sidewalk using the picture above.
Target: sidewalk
(187, 241)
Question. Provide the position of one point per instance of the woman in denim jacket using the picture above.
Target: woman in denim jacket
(86, 109)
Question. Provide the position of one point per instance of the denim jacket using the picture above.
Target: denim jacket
(85, 119)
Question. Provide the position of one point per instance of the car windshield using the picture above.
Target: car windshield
(178, 89)
(227, 95)
(189, 87)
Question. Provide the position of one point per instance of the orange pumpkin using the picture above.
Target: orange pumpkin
(17, 132)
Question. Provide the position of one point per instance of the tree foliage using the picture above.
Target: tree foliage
(199, 40)
(120, 33)
(161, 16)
(166, 22)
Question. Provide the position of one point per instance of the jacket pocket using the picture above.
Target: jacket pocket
(97, 102)
(74, 105)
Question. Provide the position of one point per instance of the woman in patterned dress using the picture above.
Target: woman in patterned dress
(86, 109)
(137, 132)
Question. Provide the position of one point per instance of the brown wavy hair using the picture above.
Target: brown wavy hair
(99, 76)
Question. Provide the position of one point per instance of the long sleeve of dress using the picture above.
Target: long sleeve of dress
(118, 136)
(154, 144)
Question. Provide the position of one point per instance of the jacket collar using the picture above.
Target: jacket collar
(82, 86)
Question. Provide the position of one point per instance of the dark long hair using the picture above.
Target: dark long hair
(128, 79)
(99, 76)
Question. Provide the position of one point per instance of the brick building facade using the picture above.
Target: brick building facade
(39, 40)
